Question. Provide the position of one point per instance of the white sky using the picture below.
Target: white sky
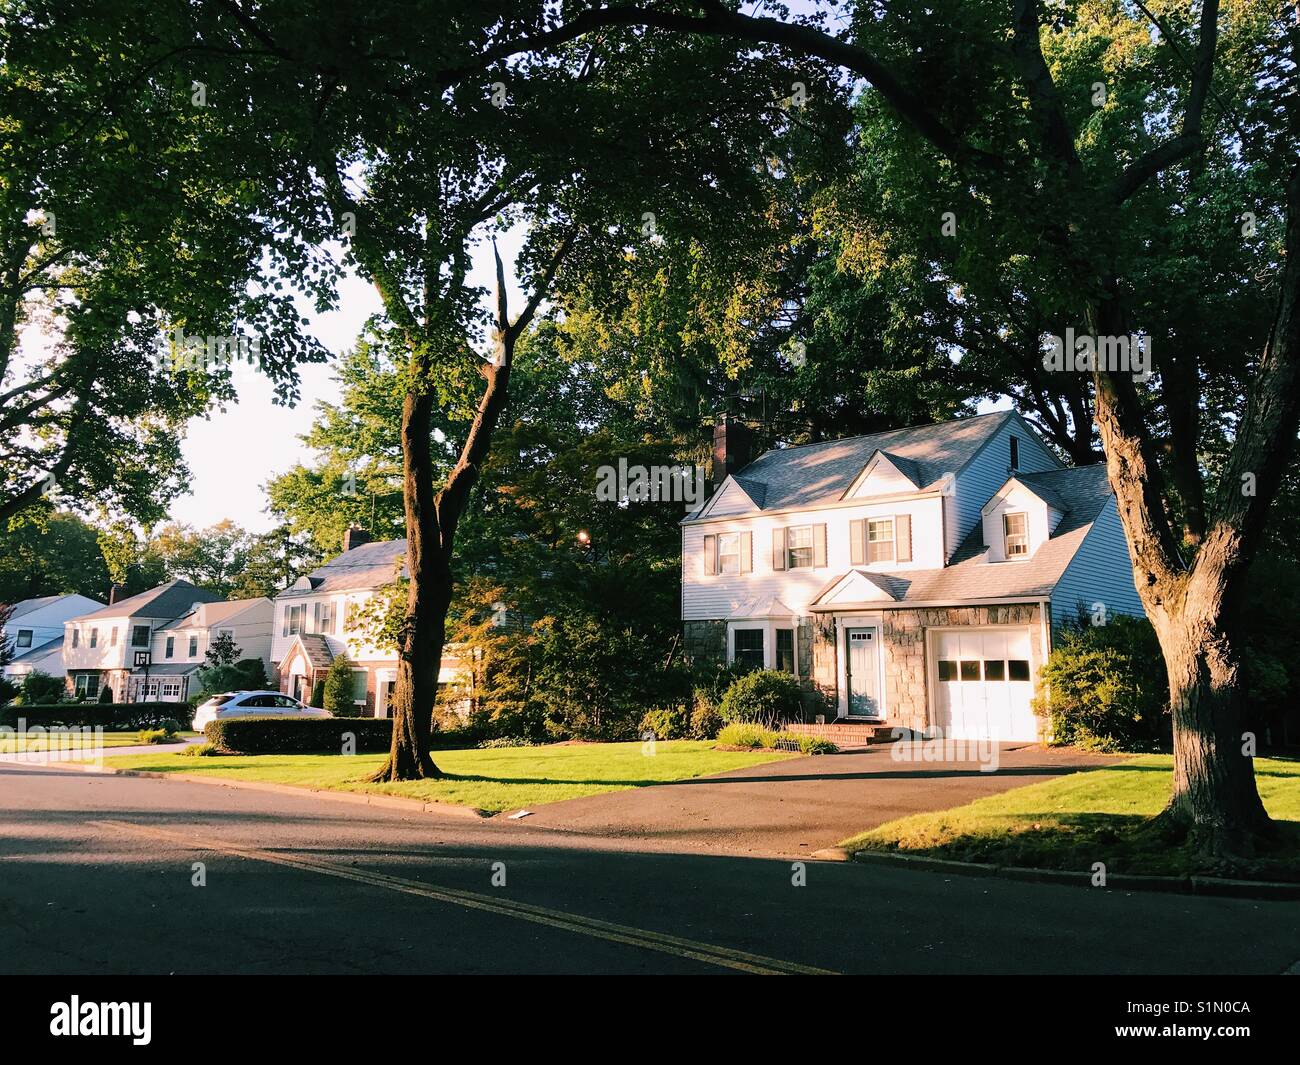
(233, 453)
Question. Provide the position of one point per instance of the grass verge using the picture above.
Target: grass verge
(494, 780)
(1095, 816)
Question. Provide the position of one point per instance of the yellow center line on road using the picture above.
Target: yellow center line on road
(724, 957)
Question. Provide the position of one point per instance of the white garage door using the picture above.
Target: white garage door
(982, 684)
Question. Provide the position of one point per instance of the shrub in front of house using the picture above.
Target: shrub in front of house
(1104, 687)
(157, 735)
(308, 735)
(199, 750)
(705, 718)
(337, 695)
(247, 675)
(112, 717)
(767, 696)
(666, 722)
(105, 694)
(747, 734)
(40, 689)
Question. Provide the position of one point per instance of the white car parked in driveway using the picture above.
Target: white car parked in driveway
(252, 704)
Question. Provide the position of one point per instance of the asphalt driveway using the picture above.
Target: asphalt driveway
(795, 807)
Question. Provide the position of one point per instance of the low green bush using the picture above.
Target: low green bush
(748, 734)
(1104, 687)
(199, 750)
(306, 735)
(765, 695)
(666, 722)
(112, 717)
(503, 742)
(157, 735)
(705, 719)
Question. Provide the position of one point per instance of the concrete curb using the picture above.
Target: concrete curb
(356, 798)
(1182, 885)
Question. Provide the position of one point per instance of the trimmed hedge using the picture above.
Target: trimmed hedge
(114, 717)
(318, 735)
(303, 735)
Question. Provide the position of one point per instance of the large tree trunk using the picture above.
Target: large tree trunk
(1214, 802)
(419, 653)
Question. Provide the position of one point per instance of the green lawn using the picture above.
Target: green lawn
(1094, 816)
(494, 779)
(9, 741)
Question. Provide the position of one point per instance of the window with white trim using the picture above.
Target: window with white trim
(729, 552)
(139, 635)
(880, 540)
(171, 689)
(24, 637)
(785, 660)
(799, 547)
(194, 647)
(747, 648)
(1015, 532)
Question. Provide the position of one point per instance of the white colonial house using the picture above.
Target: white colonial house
(100, 648)
(316, 621)
(33, 633)
(179, 648)
(911, 578)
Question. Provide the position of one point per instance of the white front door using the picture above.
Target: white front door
(862, 680)
(983, 684)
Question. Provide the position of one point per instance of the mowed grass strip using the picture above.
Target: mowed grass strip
(1094, 816)
(52, 739)
(494, 779)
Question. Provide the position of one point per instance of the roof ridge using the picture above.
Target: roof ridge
(882, 432)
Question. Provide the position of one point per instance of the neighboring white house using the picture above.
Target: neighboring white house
(912, 577)
(34, 633)
(315, 622)
(100, 648)
(180, 646)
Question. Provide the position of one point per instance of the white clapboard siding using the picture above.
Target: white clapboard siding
(706, 596)
(1099, 573)
(987, 472)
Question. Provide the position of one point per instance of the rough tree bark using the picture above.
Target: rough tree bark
(431, 523)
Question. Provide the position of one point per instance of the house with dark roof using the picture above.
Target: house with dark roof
(101, 648)
(910, 579)
(316, 621)
(179, 647)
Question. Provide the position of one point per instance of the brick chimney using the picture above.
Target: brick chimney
(732, 440)
(114, 593)
(355, 537)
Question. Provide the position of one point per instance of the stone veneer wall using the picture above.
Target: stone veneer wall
(903, 635)
(705, 642)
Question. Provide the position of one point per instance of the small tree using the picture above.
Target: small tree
(38, 687)
(223, 651)
(339, 688)
(248, 674)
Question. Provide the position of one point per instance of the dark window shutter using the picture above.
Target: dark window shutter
(819, 545)
(903, 537)
(710, 554)
(858, 542)
(746, 552)
(778, 548)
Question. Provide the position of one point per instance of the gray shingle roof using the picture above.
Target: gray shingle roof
(1082, 491)
(26, 606)
(45, 650)
(366, 567)
(316, 647)
(169, 600)
(811, 474)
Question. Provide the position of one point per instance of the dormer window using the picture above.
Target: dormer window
(1015, 531)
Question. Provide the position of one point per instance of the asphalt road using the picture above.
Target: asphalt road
(98, 875)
